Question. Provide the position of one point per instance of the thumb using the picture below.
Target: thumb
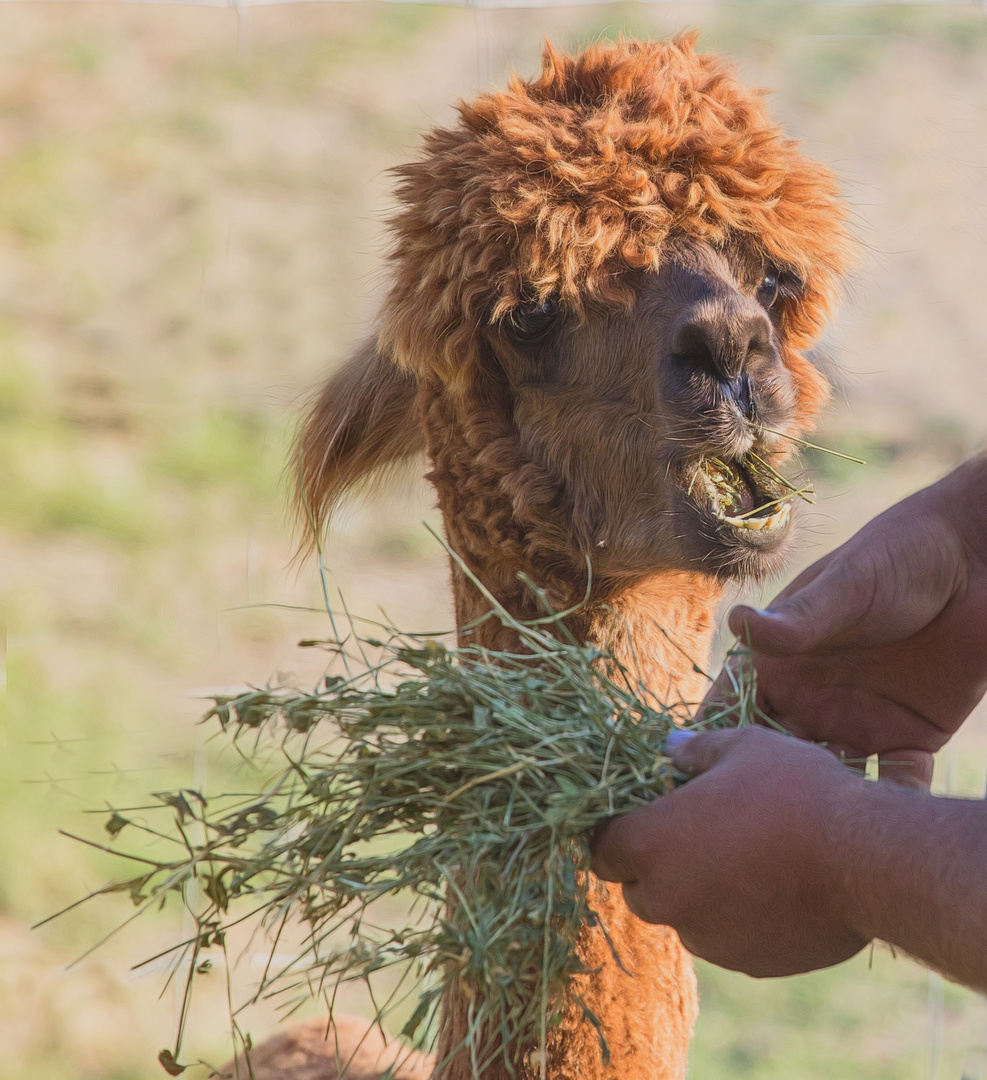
(697, 752)
(806, 620)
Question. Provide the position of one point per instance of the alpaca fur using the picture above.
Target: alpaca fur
(600, 279)
(316, 1051)
(559, 185)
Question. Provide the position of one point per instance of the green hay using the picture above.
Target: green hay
(462, 783)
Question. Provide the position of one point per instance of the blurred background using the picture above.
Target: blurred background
(192, 212)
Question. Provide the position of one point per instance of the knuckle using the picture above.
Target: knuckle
(644, 903)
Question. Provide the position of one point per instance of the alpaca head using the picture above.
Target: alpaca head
(603, 282)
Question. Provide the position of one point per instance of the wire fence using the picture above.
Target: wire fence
(493, 5)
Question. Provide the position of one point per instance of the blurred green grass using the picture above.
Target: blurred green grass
(191, 215)
(870, 1017)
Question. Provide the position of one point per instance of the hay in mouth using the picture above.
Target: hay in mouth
(748, 495)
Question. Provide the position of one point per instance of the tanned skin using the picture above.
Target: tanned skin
(776, 858)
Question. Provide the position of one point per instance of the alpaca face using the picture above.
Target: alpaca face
(658, 418)
(602, 284)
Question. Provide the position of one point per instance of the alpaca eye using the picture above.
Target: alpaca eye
(767, 291)
(532, 320)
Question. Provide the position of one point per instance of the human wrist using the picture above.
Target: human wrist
(844, 855)
(882, 830)
(915, 877)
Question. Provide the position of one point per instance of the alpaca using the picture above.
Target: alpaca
(603, 281)
(314, 1051)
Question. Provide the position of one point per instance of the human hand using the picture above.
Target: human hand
(881, 646)
(743, 860)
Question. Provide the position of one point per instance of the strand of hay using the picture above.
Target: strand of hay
(456, 787)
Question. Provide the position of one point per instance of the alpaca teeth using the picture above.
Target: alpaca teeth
(774, 521)
(722, 498)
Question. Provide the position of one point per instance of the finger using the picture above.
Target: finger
(614, 848)
(645, 903)
(697, 752)
(850, 756)
(800, 624)
(723, 697)
(906, 768)
(823, 601)
(627, 848)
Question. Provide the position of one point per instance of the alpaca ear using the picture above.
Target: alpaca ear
(362, 420)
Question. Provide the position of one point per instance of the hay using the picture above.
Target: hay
(463, 782)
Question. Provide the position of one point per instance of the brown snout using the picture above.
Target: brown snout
(722, 336)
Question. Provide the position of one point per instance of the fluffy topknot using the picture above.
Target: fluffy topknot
(558, 184)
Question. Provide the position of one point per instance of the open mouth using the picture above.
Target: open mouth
(747, 495)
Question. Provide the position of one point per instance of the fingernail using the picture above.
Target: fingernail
(741, 613)
(675, 739)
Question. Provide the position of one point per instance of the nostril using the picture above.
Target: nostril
(694, 343)
(740, 391)
(722, 345)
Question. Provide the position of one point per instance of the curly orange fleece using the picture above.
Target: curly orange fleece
(558, 184)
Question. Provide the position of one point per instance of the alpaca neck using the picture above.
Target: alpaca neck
(659, 629)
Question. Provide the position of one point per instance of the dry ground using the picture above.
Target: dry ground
(191, 215)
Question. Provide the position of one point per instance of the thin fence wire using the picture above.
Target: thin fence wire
(492, 5)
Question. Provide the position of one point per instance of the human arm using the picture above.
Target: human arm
(880, 647)
(776, 859)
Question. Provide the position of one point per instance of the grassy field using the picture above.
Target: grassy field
(191, 232)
